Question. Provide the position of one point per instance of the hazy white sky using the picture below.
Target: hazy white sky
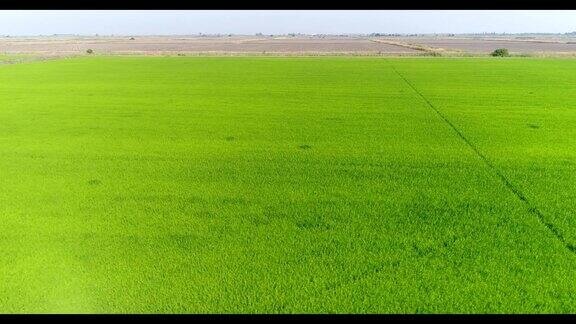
(150, 22)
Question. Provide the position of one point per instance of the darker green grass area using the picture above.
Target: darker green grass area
(286, 185)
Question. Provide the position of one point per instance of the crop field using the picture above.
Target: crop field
(479, 45)
(233, 45)
(288, 185)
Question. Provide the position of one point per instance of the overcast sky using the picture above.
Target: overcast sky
(152, 22)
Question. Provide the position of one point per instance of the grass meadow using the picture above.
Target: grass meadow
(288, 185)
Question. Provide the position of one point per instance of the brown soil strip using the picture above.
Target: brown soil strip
(416, 47)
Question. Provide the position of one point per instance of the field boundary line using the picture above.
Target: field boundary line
(507, 183)
(33, 59)
(421, 48)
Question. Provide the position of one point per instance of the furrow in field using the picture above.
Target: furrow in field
(505, 181)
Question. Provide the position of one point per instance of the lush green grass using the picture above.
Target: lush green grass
(286, 185)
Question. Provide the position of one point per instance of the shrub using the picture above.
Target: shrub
(501, 52)
(89, 51)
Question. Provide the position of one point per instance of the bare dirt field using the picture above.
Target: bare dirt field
(487, 45)
(159, 45)
(299, 45)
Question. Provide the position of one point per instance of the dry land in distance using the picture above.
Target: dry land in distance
(551, 45)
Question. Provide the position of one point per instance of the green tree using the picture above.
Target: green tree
(501, 52)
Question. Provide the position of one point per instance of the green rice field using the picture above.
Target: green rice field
(288, 185)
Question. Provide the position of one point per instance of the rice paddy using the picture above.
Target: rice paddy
(288, 185)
